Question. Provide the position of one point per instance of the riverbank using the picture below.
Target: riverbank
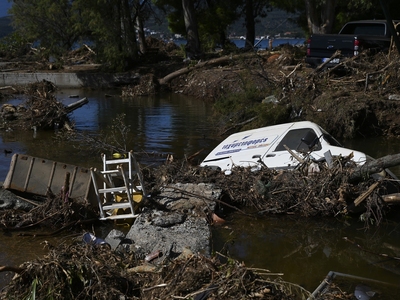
(358, 98)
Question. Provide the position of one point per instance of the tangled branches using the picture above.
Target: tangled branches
(41, 110)
(57, 212)
(327, 192)
(85, 271)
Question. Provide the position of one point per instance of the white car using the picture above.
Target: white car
(268, 145)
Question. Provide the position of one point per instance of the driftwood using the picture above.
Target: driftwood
(7, 87)
(375, 166)
(11, 269)
(322, 66)
(392, 198)
(71, 107)
(188, 69)
(364, 196)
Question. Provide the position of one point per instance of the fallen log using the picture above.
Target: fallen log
(71, 107)
(188, 69)
(375, 166)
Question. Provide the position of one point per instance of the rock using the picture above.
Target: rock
(182, 225)
(168, 219)
(193, 233)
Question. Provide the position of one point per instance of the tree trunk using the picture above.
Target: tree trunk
(320, 18)
(128, 30)
(141, 37)
(250, 25)
(192, 35)
(375, 166)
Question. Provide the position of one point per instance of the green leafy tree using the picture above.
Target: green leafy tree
(57, 25)
(327, 16)
(210, 17)
(49, 22)
(315, 16)
(182, 19)
(110, 25)
(215, 18)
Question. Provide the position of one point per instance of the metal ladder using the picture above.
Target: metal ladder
(122, 187)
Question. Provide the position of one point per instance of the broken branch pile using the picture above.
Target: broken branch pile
(40, 110)
(57, 213)
(86, 271)
(326, 192)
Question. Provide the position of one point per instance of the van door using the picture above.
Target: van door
(300, 140)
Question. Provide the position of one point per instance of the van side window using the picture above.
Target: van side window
(299, 140)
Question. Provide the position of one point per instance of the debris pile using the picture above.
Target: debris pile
(148, 85)
(87, 271)
(30, 59)
(358, 97)
(57, 213)
(306, 191)
(40, 110)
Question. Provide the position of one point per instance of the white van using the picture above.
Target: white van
(267, 146)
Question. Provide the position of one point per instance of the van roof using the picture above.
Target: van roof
(280, 128)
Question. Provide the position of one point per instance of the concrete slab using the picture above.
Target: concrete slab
(70, 80)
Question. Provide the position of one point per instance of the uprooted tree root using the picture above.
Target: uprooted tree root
(328, 192)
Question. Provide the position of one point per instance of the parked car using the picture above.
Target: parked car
(352, 39)
(269, 146)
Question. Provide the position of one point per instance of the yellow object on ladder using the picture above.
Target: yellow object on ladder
(122, 187)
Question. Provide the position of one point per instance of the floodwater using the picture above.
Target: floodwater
(299, 251)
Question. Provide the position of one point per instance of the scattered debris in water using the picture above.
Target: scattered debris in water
(40, 110)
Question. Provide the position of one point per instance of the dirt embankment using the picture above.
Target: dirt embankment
(359, 97)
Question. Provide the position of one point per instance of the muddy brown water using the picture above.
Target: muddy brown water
(298, 250)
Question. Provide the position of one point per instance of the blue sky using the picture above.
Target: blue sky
(4, 6)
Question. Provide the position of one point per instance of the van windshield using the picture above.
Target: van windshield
(330, 139)
(299, 140)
